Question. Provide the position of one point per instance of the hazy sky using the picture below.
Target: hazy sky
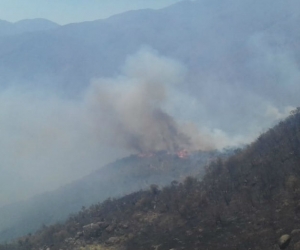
(67, 11)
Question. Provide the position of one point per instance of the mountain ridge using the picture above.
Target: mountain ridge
(228, 47)
(122, 177)
(247, 201)
(25, 26)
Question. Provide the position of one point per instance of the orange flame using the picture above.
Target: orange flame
(183, 154)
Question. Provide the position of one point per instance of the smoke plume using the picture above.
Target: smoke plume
(130, 108)
(47, 141)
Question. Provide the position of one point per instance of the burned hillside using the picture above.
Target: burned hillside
(246, 202)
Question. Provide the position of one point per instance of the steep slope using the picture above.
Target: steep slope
(117, 179)
(249, 201)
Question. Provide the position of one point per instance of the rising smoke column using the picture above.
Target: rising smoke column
(130, 107)
(47, 140)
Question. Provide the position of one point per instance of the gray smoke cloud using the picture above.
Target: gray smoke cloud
(47, 141)
(131, 107)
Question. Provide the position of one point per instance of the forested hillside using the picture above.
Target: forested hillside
(239, 75)
(119, 178)
(249, 201)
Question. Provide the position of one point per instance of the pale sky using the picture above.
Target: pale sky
(68, 11)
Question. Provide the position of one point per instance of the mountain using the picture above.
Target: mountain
(242, 73)
(25, 26)
(247, 201)
(114, 180)
(5, 27)
(248, 45)
(33, 25)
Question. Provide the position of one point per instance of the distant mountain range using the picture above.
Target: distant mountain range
(25, 26)
(247, 51)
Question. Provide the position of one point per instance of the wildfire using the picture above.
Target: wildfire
(183, 154)
(145, 155)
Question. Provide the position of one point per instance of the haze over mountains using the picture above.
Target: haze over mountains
(223, 45)
(25, 26)
(116, 179)
(247, 201)
(225, 72)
